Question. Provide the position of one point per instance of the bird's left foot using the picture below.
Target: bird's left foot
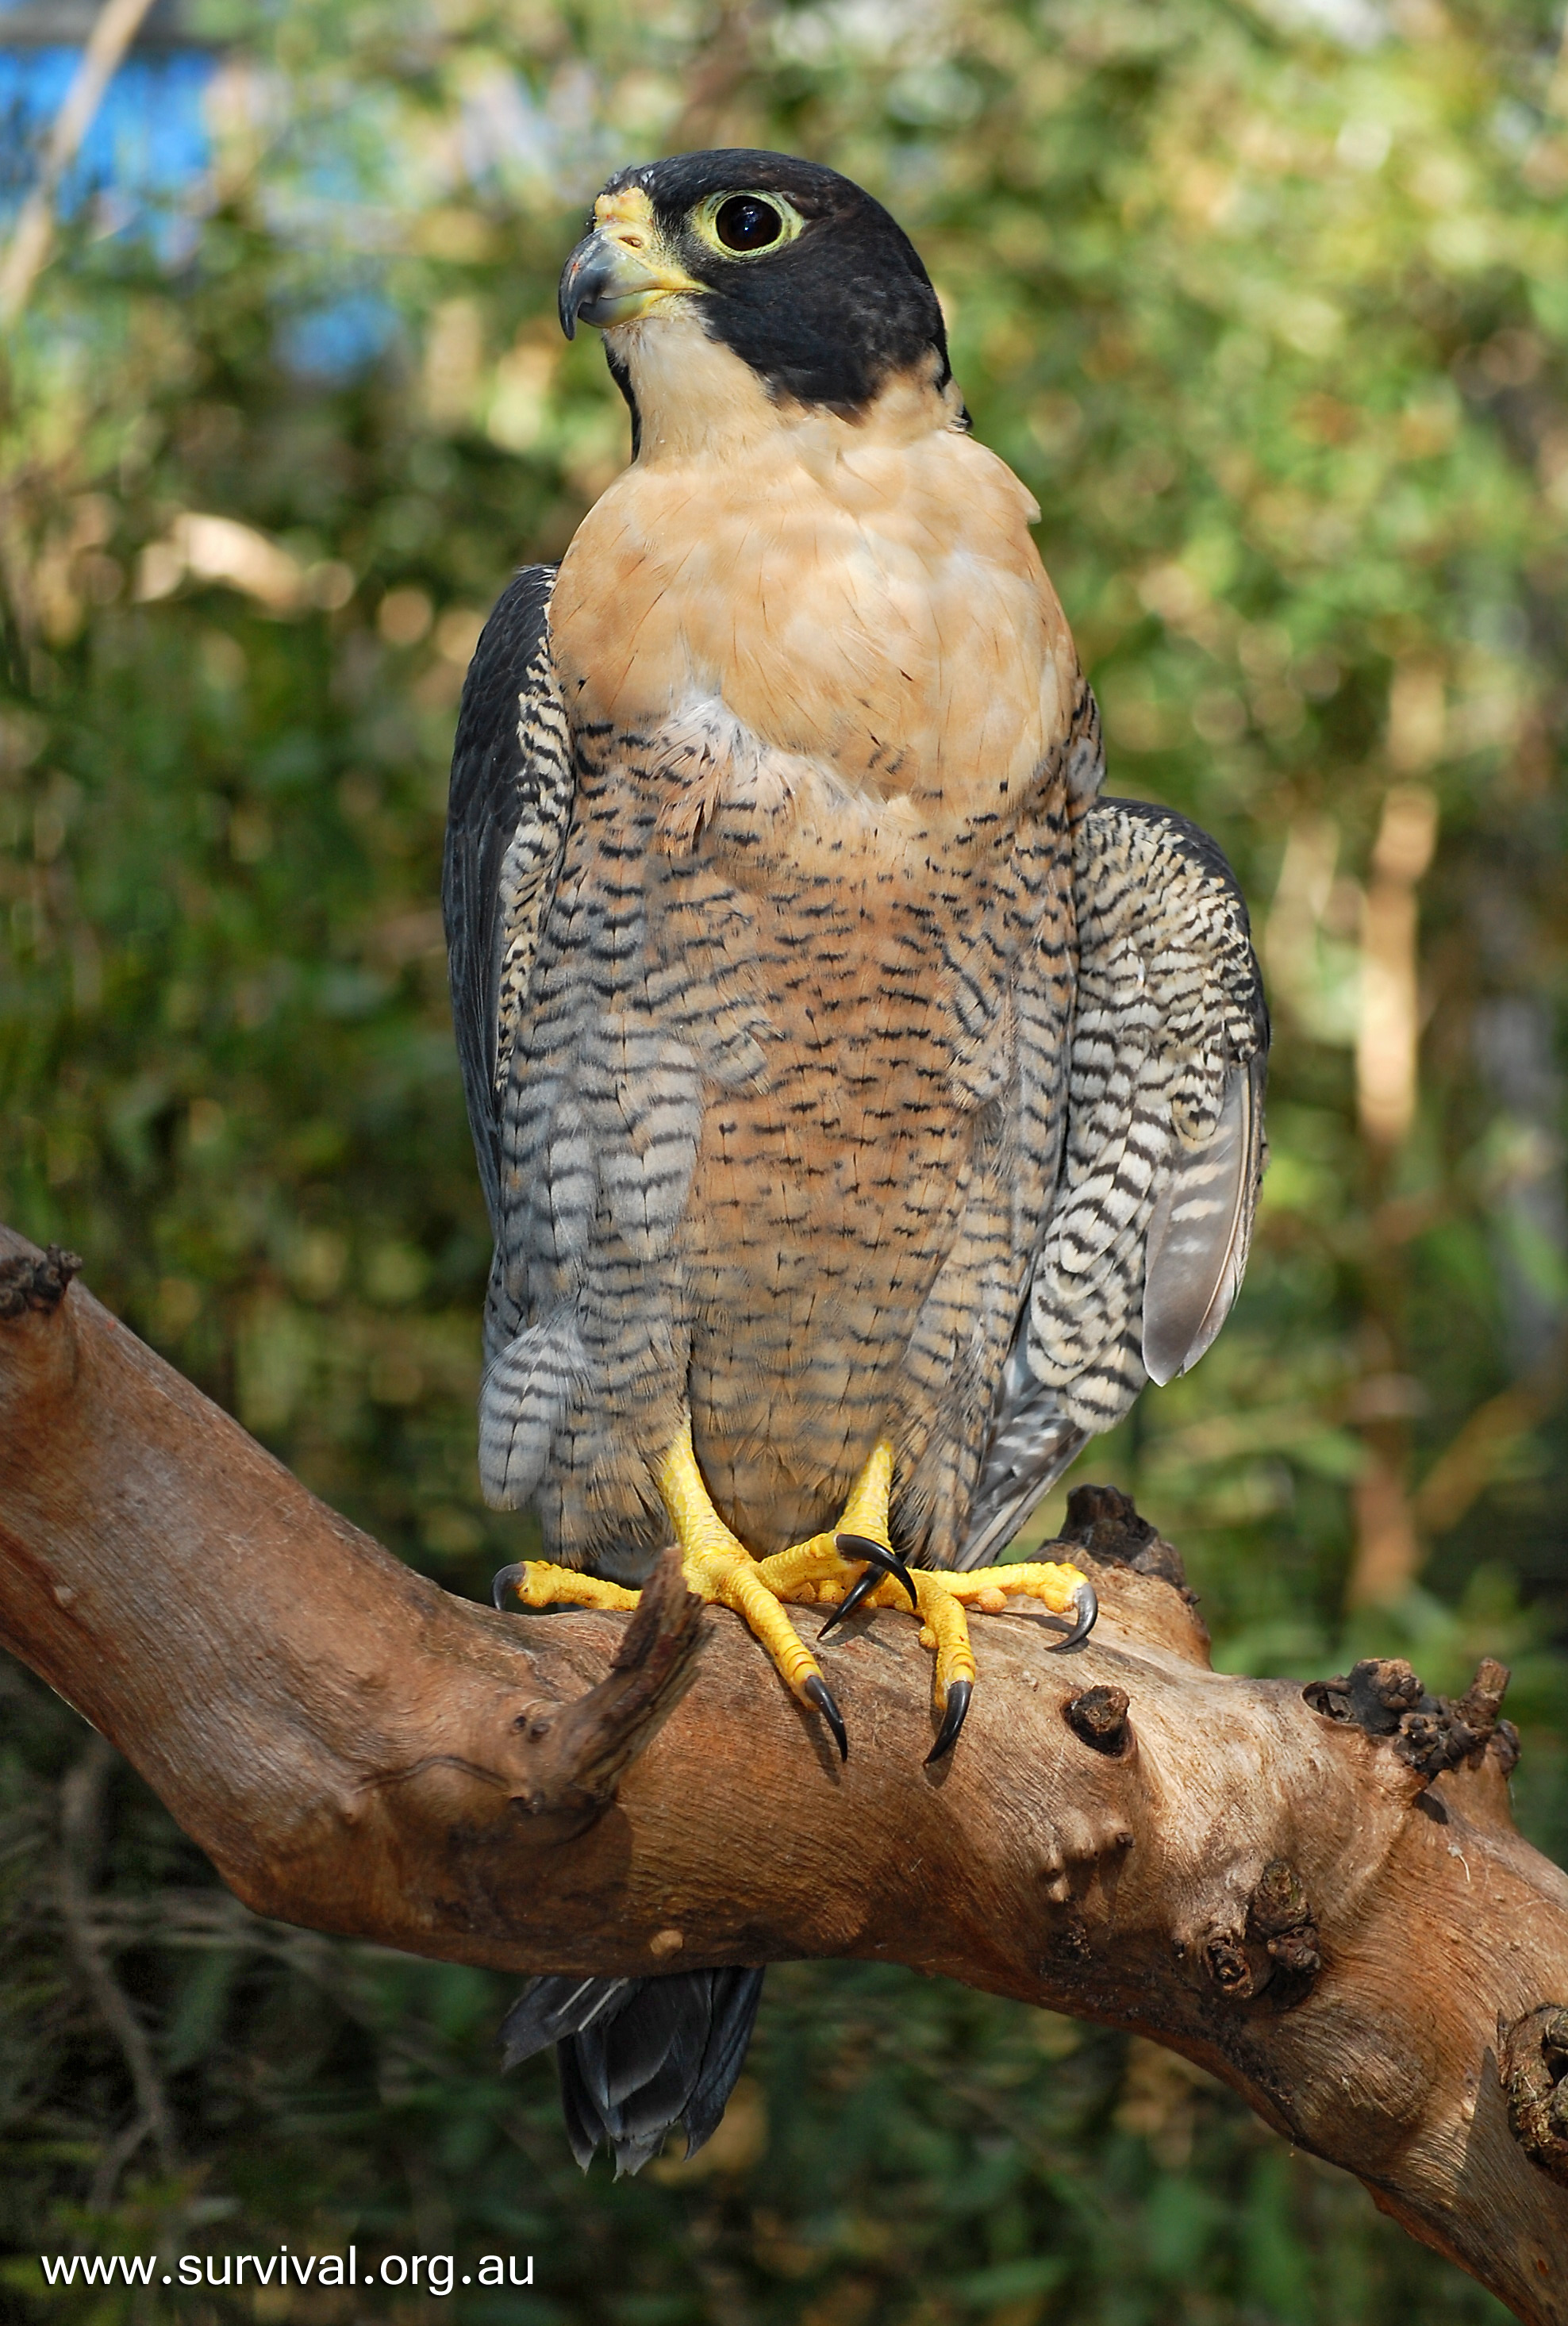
(945, 1597)
(824, 1568)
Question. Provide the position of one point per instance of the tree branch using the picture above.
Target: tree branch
(1318, 1895)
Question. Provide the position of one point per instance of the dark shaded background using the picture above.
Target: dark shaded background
(1269, 306)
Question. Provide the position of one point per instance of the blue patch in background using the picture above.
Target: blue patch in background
(340, 339)
(145, 152)
(142, 173)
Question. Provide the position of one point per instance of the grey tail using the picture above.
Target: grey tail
(637, 2056)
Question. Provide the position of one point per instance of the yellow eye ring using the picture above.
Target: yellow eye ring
(737, 224)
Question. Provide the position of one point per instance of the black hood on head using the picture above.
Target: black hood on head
(825, 319)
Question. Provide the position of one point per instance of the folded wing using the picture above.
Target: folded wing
(506, 818)
(1148, 1234)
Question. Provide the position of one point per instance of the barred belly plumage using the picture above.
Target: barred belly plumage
(759, 1160)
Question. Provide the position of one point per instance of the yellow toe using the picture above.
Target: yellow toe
(536, 1583)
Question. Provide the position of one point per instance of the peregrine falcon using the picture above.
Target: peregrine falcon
(866, 1107)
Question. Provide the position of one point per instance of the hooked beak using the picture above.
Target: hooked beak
(608, 280)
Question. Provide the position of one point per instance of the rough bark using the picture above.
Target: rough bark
(1316, 1892)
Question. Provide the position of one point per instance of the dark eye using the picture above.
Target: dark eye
(744, 223)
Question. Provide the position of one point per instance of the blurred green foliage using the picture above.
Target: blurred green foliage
(1266, 304)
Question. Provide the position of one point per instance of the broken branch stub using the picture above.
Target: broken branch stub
(1317, 1894)
(585, 1744)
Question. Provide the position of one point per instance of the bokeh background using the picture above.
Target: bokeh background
(1267, 301)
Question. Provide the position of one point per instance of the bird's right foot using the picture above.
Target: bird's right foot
(720, 1569)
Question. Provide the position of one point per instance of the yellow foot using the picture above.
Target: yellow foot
(943, 1596)
(720, 1569)
(825, 1568)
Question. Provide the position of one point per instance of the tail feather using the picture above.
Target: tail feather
(637, 2056)
(723, 2059)
(654, 2043)
(551, 2008)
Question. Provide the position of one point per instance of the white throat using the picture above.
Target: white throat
(695, 397)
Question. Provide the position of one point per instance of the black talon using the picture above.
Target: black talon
(818, 1693)
(1086, 1607)
(952, 1719)
(860, 1588)
(877, 1558)
(504, 1582)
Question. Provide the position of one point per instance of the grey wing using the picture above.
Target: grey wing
(1148, 1233)
(507, 812)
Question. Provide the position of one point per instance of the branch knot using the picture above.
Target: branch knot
(1097, 1717)
(1277, 1950)
(1534, 2068)
(1385, 1697)
(40, 1284)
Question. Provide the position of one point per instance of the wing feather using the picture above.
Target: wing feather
(1201, 1231)
(507, 812)
(1147, 1236)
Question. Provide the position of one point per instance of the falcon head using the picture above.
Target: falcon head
(794, 271)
